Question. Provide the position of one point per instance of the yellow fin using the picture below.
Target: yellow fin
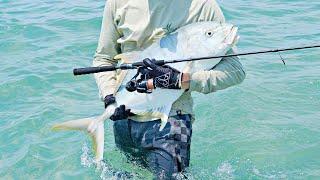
(83, 124)
(79, 124)
(98, 142)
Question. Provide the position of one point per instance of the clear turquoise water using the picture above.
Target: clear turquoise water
(266, 128)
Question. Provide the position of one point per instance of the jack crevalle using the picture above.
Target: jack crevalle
(200, 39)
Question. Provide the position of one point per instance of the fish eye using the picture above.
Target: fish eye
(209, 33)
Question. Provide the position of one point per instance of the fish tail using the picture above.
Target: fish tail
(95, 130)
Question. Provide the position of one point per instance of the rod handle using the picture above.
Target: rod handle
(91, 70)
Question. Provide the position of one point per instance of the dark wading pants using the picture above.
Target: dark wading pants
(165, 152)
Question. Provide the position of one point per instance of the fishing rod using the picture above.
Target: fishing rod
(126, 66)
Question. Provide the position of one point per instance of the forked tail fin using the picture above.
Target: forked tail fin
(83, 124)
(94, 126)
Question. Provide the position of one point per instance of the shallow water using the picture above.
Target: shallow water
(266, 128)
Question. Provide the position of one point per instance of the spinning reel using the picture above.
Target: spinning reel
(140, 84)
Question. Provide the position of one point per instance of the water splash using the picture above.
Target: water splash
(105, 169)
(86, 159)
(270, 175)
(272, 118)
(224, 171)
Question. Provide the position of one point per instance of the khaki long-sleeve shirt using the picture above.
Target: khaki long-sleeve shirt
(131, 25)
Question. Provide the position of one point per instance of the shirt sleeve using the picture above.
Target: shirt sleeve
(228, 72)
(106, 50)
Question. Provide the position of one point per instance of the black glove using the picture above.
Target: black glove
(109, 99)
(121, 113)
(163, 76)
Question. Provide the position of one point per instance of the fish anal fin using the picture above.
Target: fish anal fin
(164, 121)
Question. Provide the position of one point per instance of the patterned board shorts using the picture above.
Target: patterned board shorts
(165, 152)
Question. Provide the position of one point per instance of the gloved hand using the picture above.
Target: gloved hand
(162, 76)
(109, 99)
(121, 113)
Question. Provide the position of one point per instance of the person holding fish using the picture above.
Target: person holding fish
(132, 26)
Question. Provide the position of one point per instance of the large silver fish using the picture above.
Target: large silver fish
(195, 40)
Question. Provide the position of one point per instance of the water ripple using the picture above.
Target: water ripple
(266, 128)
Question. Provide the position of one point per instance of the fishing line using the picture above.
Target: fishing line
(244, 54)
(284, 63)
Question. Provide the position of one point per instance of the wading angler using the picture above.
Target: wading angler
(152, 106)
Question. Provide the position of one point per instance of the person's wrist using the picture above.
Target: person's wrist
(150, 84)
(185, 81)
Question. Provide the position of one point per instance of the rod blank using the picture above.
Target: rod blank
(91, 70)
